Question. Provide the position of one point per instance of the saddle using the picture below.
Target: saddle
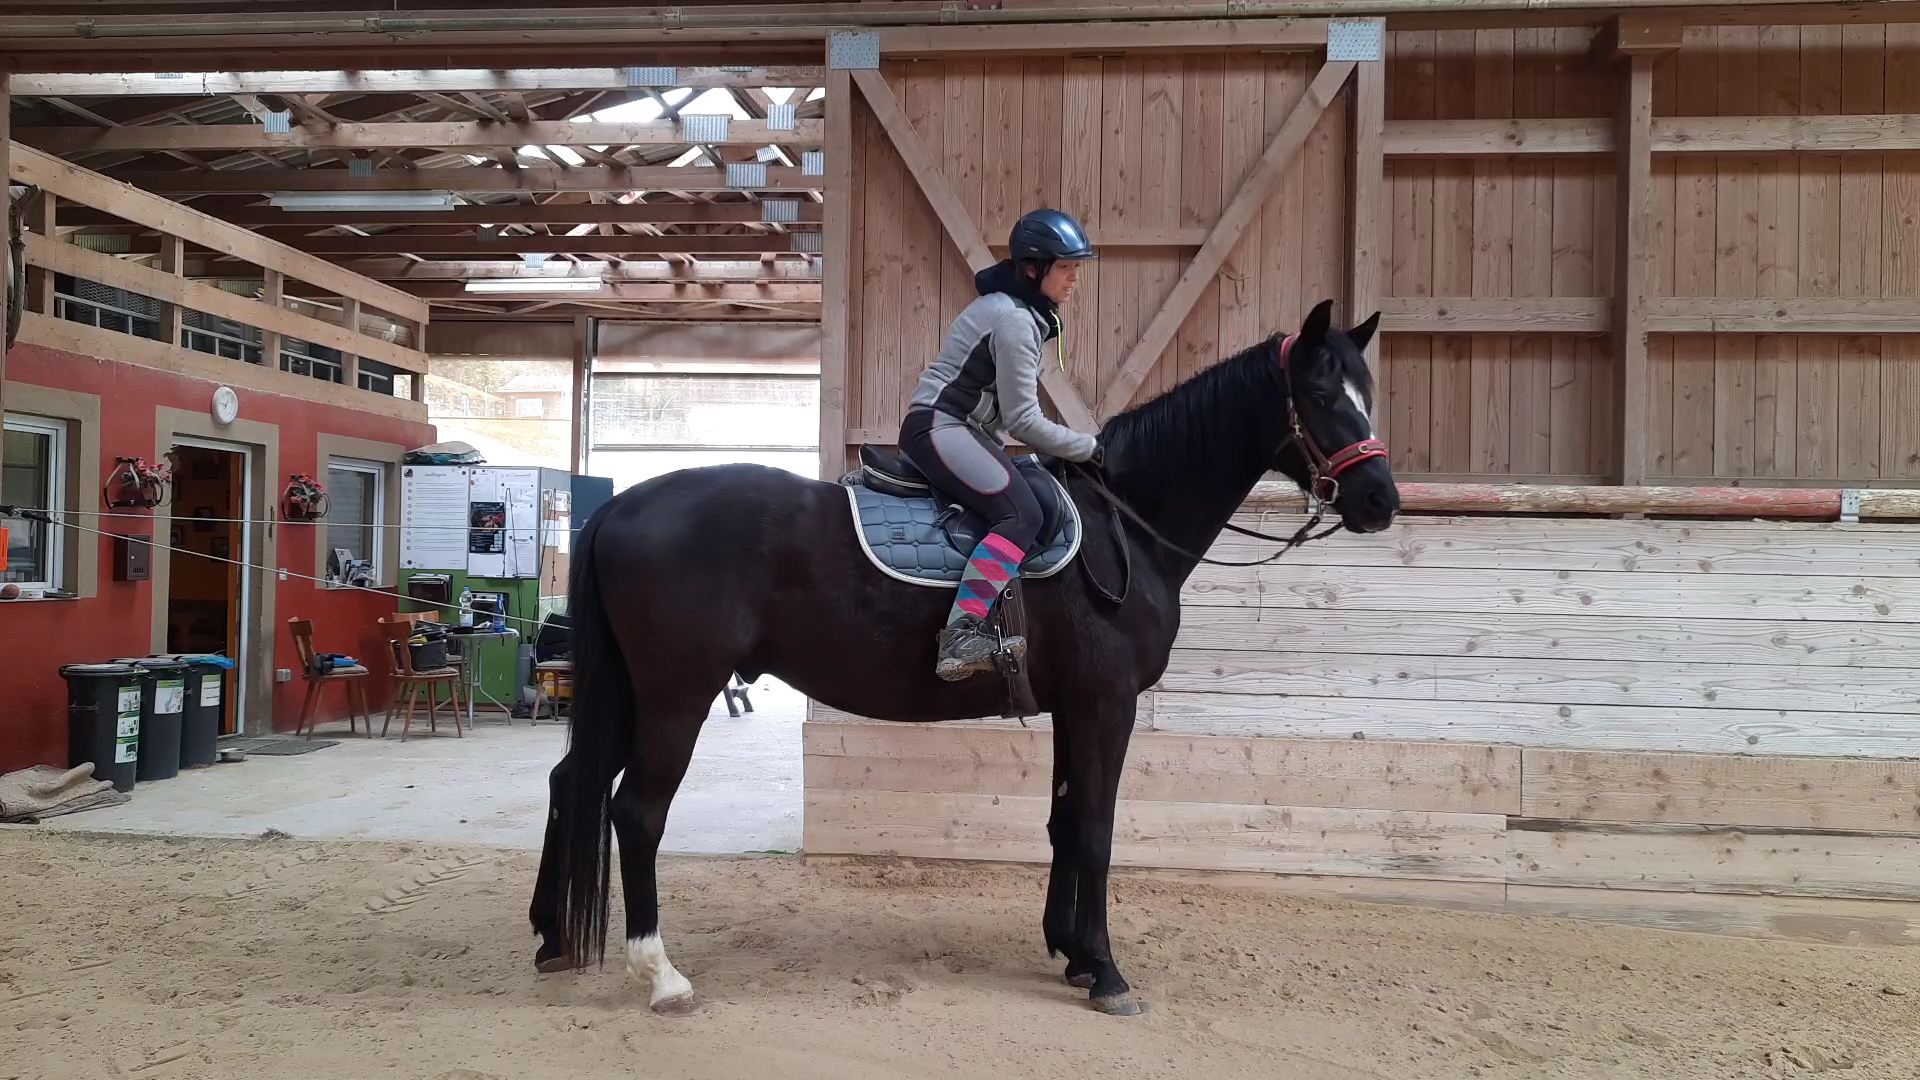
(911, 533)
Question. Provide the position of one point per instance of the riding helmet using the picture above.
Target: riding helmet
(1047, 235)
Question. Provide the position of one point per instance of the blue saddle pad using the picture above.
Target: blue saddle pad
(903, 541)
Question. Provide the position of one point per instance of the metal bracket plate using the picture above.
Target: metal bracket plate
(704, 127)
(779, 210)
(360, 167)
(782, 116)
(1356, 39)
(1850, 505)
(853, 50)
(809, 241)
(813, 163)
(746, 174)
(655, 77)
(277, 123)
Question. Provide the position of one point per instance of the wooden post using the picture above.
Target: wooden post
(349, 362)
(578, 402)
(836, 285)
(40, 218)
(273, 293)
(1634, 165)
(173, 259)
(1366, 243)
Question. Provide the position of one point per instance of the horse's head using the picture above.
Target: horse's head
(1333, 451)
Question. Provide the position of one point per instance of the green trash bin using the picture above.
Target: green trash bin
(163, 702)
(200, 718)
(103, 719)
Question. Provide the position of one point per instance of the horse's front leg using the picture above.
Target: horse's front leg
(1063, 881)
(1097, 753)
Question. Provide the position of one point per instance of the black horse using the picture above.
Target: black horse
(687, 578)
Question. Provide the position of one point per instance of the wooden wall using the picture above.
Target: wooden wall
(1142, 150)
(1717, 708)
(1816, 406)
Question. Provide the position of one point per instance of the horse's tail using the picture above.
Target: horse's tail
(599, 744)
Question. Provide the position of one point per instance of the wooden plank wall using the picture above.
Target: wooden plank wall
(1519, 710)
(1772, 407)
(1133, 145)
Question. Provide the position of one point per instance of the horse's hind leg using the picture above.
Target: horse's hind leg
(660, 758)
(548, 886)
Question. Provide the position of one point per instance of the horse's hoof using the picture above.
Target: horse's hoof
(677, 1005)
(1118, 1005)
(547, 964)
(1082, 981)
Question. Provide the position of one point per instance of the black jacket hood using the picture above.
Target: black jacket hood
(1005, 277)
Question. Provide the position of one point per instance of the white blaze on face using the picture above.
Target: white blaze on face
(647, 960)
(1359, 402)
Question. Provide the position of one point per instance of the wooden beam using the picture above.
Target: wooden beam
(713, 272)
(86, 340)
(1782, 315)
(1271, 35)
(39, 212)
(1633, 262)
(1492, 315)
(460, 178)
(1646, 34)
(1807, 504)
(173, 257)
(1490, 138)
(655, 292)
(548, 213)
(350, 360)
(79, 185)
(1367, 238)
(1246, 203)
(444, 135)
(511, 247)
(577, 400)
(273, 294)
(836, 270)
(959, 225)
(94, 266)
(404, 81)
(1838, 134)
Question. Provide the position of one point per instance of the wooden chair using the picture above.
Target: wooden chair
(454, 660)
(410, 681)
(348, 677)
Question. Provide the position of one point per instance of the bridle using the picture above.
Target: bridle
(1323, 487)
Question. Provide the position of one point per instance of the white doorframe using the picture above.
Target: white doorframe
(244, 554)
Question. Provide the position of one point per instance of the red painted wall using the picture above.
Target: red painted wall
(37, 637)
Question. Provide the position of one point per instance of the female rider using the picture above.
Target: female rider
(985, 385)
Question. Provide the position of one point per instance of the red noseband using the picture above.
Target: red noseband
(1323, 469)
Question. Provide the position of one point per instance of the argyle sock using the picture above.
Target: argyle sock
(994, 562)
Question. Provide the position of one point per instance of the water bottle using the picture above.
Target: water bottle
(466, 610)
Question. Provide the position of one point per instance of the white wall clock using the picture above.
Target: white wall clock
(226, 405)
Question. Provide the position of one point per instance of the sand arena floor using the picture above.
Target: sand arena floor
(134, 958)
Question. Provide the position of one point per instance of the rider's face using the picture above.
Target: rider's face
(1062, 278)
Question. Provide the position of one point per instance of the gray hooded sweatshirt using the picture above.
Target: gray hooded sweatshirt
(988, 370)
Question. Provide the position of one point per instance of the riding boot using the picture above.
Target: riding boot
(968, 644)
(968, 648)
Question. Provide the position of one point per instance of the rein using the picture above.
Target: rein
(1323, 486)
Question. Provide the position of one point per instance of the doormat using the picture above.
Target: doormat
(277, 747)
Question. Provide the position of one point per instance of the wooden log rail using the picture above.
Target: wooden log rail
(1802, 504)
(179, 226)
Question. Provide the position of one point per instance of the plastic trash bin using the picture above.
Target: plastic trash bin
(103, 719)
(163, 702)
(206, 679)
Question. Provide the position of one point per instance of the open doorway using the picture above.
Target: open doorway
(205, 594)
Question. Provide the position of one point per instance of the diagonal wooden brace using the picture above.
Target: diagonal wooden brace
(1226, 233)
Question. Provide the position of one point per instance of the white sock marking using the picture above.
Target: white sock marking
(647, 961)
(1353, 395)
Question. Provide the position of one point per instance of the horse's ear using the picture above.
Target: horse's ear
(1363, 333)
(1318, 322)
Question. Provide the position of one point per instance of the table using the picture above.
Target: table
(475, 665)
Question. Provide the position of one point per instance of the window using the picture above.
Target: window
(33, 474)
(528, 406)
(356, 502)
